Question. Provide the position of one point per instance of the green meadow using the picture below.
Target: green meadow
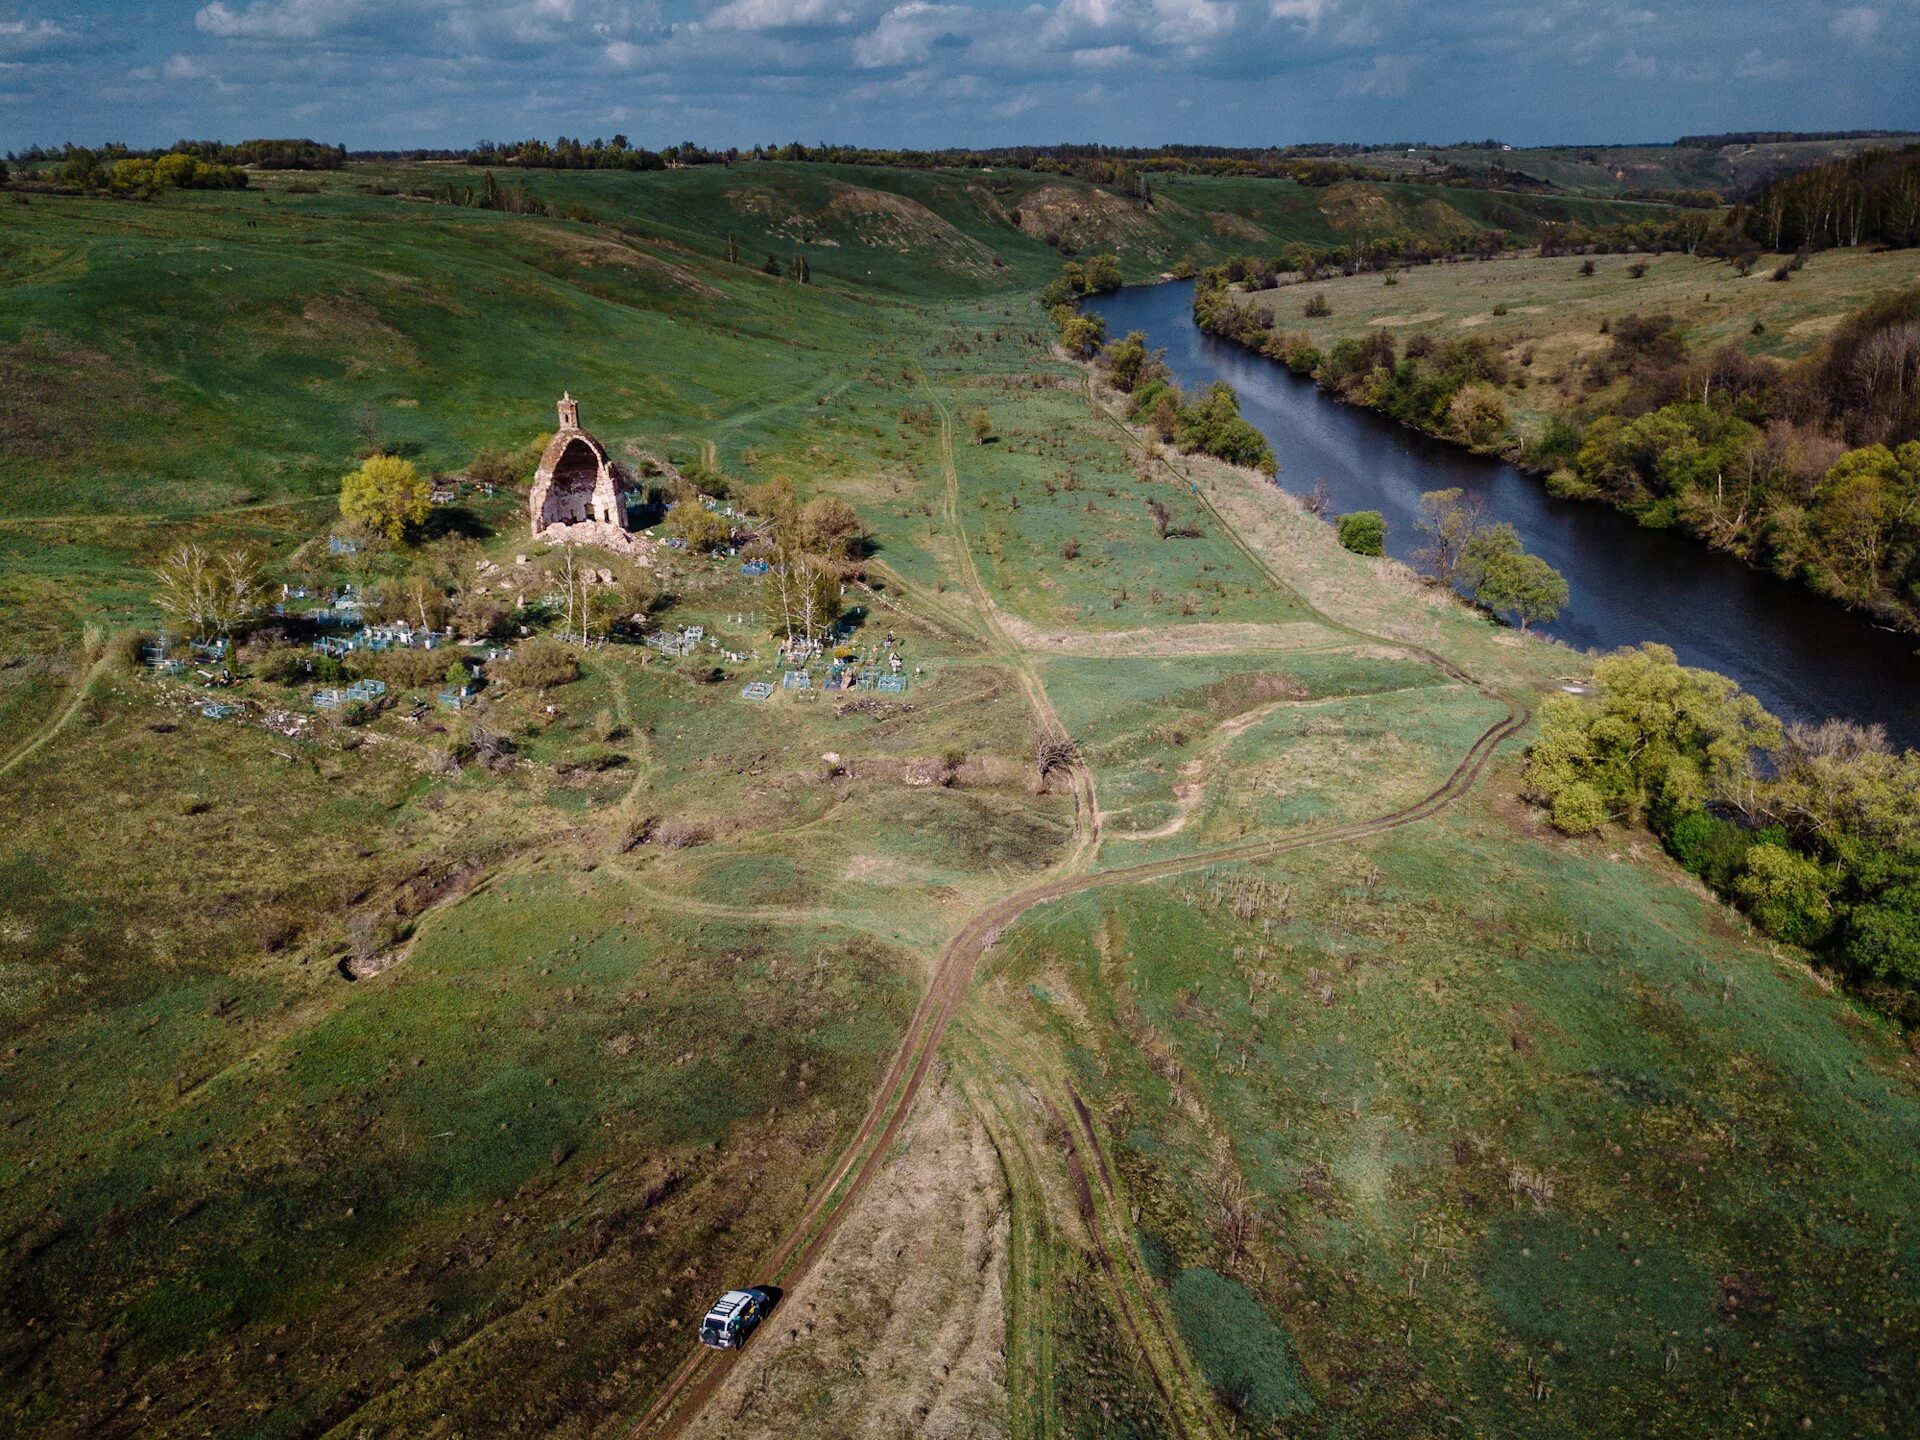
(361, 1080)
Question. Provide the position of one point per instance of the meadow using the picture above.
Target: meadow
(354, 1085)
(1546, 316)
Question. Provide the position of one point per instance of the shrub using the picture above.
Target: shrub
(285, 666)
(1883, 936)
(479, 617)
(1578, 809)
(1712, 848)
(1315, 307)
(541, 665)
(405, 669)
(500, 468)
(1364, 532)
(1787, 894)
(704, 530)
(125, 650)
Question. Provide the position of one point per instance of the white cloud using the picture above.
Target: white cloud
(264, 20)
(907, 34)
(1018, 105)
(1758, 65)
(1191, 22)
(1302, 12)
(1636, 66)
(782, 15)
(1103, 57)
(1857, 25)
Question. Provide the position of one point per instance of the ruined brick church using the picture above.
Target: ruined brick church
(579, 493)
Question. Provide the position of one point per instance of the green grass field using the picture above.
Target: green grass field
(1546, 316)
(1456, 1123)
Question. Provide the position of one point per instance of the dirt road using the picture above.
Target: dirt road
(700, 1374)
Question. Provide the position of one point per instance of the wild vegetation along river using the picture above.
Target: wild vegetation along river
(1803, 656)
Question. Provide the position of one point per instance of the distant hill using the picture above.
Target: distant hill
(1734, 167)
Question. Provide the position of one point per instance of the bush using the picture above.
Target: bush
(541, 665)
(1364, 532)
(1578, 809)
(704, 530)
(1883, 937)
(1316, 307)
(285, 666)
(405, 669)
(500, 468)
(1787, 894)
(125, 650)
(1709, 847)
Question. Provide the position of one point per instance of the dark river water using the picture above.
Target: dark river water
(1803, 656)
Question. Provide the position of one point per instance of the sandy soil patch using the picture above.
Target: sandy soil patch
(1162, 641)
(1816, 325)
(899, 1329)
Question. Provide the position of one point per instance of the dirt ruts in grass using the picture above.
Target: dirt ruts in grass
(900, 1330)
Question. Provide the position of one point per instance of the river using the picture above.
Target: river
(1804, 656)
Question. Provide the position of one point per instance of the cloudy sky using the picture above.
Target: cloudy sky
(388, 73)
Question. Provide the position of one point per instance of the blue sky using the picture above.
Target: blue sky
(388, 73)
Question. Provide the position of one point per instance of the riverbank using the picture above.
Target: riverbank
(1803, 657)
(1590, 373)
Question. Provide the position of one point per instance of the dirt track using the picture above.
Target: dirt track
(700, 1374)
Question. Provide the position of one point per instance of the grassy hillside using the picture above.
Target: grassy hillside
(1600, 170)
(374, 1079)
(1545, 314)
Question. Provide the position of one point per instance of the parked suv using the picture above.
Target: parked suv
(733, 1317)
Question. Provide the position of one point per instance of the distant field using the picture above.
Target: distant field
(1733, 170)
(1554, 313)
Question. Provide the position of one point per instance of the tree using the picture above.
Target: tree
(982, 427)
(801, 595)
(388, 495)
(1861, 509)
(1130, 364)
(1212, 424)
(1364, 532)
(1523, 585)
(772, 267)
(771, 499)
(207, 595)
(1449, 520)
(830, 528)
(175, 170)
(704, 530)
(1102, 274)
(1081, 336)
(733, 249)
(1657, 737)
(1477, 415)
(1787, 894)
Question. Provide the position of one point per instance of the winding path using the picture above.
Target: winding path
(701, 1373)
